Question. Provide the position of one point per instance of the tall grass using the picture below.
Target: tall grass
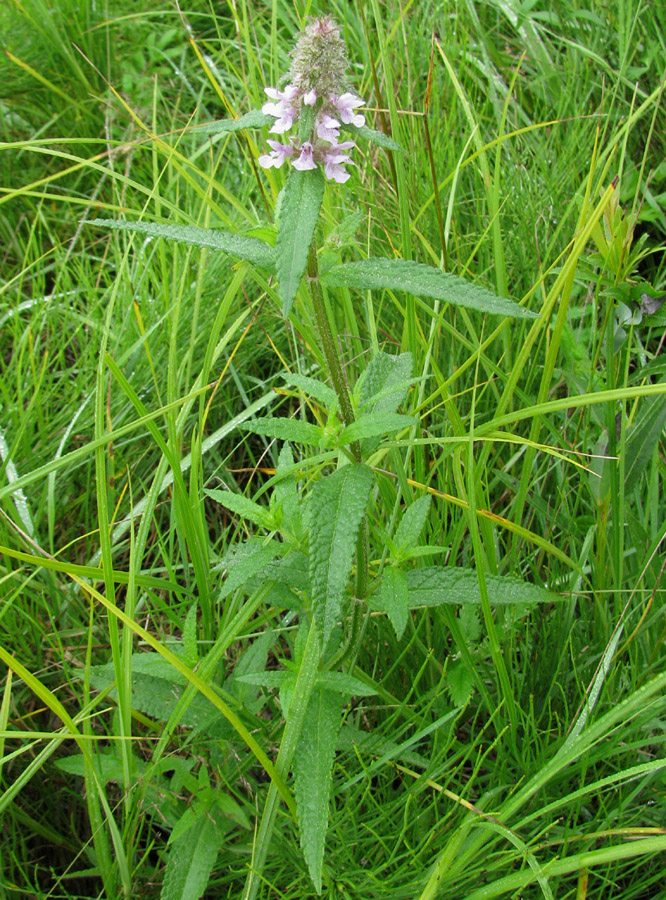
(508, 751)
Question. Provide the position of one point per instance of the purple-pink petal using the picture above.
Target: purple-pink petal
(305, 160)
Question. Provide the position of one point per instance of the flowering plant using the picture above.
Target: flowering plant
(321, 545)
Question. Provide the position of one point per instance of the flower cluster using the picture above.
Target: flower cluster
(317, 82)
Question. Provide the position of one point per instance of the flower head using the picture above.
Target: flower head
(317, 80)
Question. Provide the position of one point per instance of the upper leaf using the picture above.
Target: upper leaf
(255, 118)
(286, 429)
(248, 248)
(412, 522)
(299, 211)
(337, 507)
(423, 281)
(436, 585)
(377, 137)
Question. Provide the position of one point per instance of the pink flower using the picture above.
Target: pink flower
(277, 156)
(335, 161)
(282, 108)
(305, 160)
(328, 129)
(346, 104)
(310, 98)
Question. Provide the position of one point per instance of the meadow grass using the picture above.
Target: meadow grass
(507, 752)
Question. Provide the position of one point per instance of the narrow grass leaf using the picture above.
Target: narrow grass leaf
(301, 201)
(250, 249)
(422, 281)
(437, 585)
(313, 763)
(337, 507)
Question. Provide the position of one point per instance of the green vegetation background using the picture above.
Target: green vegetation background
(517, 120)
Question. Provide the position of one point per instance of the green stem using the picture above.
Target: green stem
(330, 349)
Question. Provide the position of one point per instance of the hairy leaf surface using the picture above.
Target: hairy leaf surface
(337, 507)
(299, 212)
(437, 585)
(423, 281)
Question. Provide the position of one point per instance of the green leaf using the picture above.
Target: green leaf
(412, 522)
(374, 425)
(643, 437)
(384, 384)
(353, 739)
(299, 212)
(192, 856)
(286, 429)
(345, 684)
(252, 119)
(250, 249)
(377, 137)
(156, 689)
(285, 496)
(315, 388)
(245, 561)
(460, 682)
(437, 585)
(313, 764)
(423, 281)
(337, 507)
(394, 598)
(243, 506)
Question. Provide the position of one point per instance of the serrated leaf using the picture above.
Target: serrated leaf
(252, 119)
(286, 429)
(460, 682)
(299, 212)
(286, 497)
(422, 281)
(337, 507)
(437, 585)
(250, 249)
(192, 857)
(315, 388)
(394, 598)
(385, 382)
(374, 425)
(190, 645)
(377, 137)
(267, 679)
(412, 522)
(243, 507)
(156, 689)
(345, 684)
(251, 663)
(643, 437)
(245, 562)
(313, 764)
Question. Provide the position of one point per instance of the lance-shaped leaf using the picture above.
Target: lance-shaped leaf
(192, 856)
(252, 119)
(376, 137)
(313, 763)
(299, 211)
(374, 425)
(394, 598)
(412, 522)
(315, 388)
(244, 507)
(437, 585)
(337, 507)
(643, 437)
(286, 429)
(250, 249)
(423, 281)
